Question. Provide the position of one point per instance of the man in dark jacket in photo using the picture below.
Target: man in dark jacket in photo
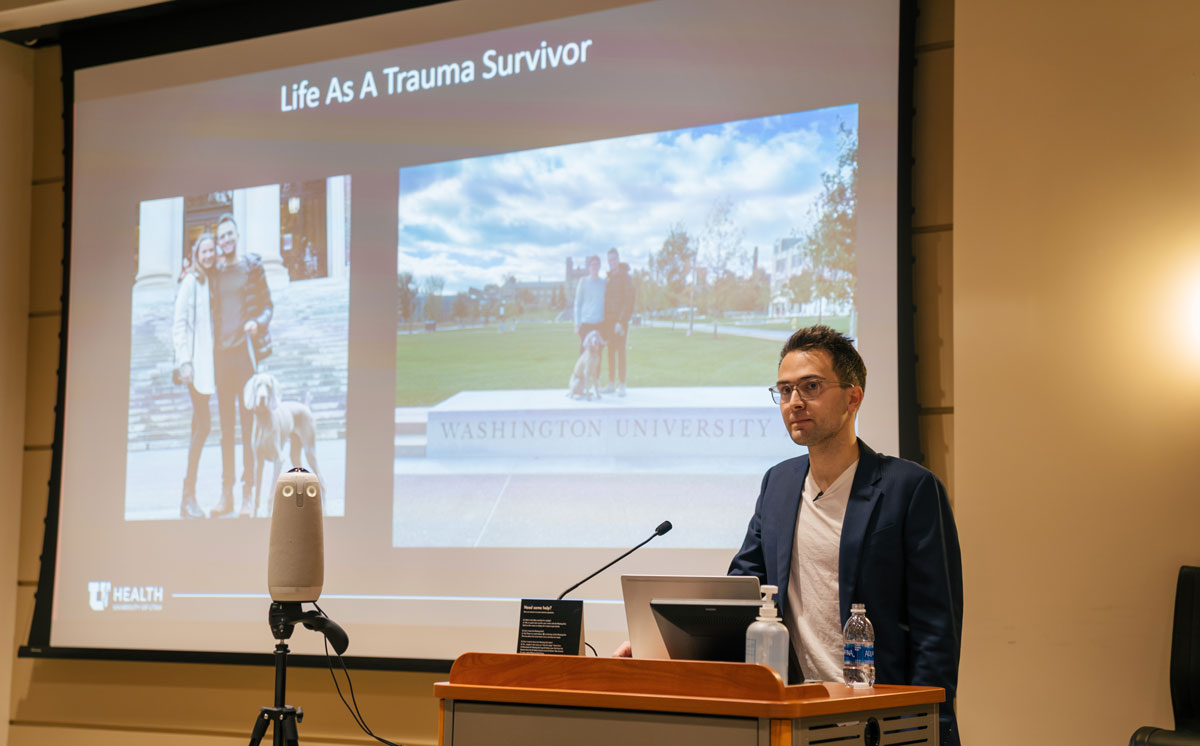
(241, 311)
(618, 309)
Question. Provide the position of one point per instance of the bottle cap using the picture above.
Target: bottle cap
(858, 608)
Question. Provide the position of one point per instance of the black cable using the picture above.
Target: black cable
(333, 675)
(354, 711)
(354, 701)
(592, 649)
(357, 717)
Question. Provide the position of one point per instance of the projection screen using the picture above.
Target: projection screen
(409, 206)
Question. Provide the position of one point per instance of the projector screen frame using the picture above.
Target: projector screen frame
(167, 28)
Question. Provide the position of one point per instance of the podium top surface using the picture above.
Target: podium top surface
(734, 689)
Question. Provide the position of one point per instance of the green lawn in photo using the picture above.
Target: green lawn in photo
(837, 323)
(431, 367)
(787, 324)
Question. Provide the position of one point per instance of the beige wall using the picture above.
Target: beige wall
(1077, 387)
(194, 705)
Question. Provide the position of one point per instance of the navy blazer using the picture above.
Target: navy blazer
(899, 556)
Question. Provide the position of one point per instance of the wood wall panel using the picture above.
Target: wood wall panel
(46, 251)
(933, 139)
(933, 288)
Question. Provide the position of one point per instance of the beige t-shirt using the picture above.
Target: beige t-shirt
(813, 618)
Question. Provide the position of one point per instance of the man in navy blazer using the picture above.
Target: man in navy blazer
(897, 551)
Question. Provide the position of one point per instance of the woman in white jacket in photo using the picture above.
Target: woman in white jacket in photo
(193, 337)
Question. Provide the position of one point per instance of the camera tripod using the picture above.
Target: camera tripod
(283, 618)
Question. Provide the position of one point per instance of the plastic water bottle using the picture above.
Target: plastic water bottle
(767, 639)
(858, 659)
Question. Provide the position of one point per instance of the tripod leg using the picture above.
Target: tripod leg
(291, 736)
(260, 728)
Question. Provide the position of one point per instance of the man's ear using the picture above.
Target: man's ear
(856, 398)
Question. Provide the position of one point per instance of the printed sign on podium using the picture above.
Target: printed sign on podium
(551, 626)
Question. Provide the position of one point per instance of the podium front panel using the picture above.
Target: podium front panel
(495, 724)
(910, 726)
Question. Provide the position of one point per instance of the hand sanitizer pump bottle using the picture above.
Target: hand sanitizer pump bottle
(767, 639)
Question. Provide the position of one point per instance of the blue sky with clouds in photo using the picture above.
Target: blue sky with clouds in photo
(476, 220)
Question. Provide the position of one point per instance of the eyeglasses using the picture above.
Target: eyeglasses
(808, 389)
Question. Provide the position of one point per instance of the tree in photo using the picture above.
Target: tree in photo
(461, 310)
(830, 243)
(673, 268)
(489, 303)
(406, 297)
(649, 295)
(510, 303)
(751, 294)
(525, 300)
(672, 265)
(721, 254)
(799, 289)
(433, 286)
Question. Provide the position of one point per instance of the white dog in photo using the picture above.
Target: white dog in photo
(585, 379)
(277, 424)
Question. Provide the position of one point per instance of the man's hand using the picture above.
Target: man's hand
(251, 328)
(624, 650)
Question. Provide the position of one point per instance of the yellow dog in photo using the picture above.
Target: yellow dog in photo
(585, 379)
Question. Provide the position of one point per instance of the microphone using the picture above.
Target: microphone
(663, 527)
(296, 563)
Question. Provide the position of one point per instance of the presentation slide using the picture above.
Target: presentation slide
(516, 259)
(511, 281)
(291, 392)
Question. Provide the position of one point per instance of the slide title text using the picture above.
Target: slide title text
(394, 80)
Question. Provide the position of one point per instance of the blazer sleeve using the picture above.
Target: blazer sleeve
(749, 560)
(933, 576)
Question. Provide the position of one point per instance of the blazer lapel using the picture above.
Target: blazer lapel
(789, 509)
(864, 493)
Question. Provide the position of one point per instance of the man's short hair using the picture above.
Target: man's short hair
(593, 258)
(848, 365)
(613, 252)
(227, 217)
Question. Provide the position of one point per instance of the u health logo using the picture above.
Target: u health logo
(98, 594)
(103, 595)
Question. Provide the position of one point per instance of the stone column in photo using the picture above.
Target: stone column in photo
(337, 238)
(160, 242)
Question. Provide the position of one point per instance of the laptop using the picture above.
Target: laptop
(646, 627)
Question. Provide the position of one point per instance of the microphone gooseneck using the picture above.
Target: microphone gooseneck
(662, 528)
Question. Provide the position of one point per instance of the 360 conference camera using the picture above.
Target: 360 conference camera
(295, 574)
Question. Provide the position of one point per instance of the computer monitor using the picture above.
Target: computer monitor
(645, 635)
(705, 629)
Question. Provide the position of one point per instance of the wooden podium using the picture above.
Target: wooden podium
(499, 699)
